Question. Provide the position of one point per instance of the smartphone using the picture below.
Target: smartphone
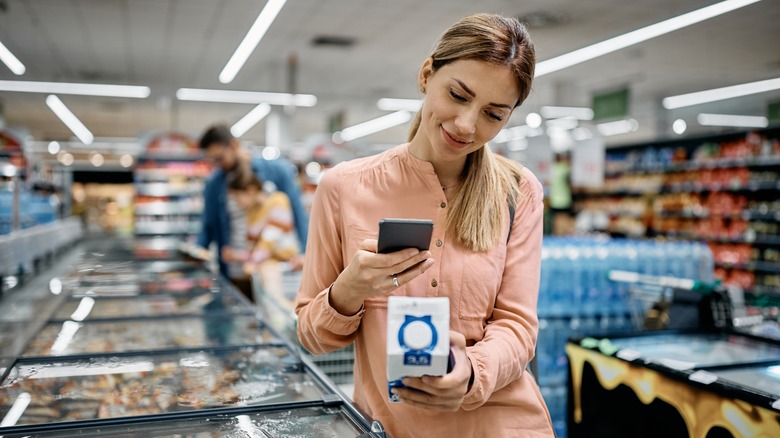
(398, 234)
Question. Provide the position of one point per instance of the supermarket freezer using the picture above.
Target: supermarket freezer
(150, 358)
(674, 384)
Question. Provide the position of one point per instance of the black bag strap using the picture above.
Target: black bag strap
(511, 218)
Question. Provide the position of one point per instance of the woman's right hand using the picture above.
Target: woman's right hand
(370, 275)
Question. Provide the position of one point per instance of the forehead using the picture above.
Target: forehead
(489, 82)
(216, 148)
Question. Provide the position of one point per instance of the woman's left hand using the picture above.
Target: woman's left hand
(443, 393)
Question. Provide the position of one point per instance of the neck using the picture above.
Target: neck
(448, 172)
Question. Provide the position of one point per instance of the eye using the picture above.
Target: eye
(457, 96)
(494, 116)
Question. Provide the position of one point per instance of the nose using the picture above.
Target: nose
(466, 122)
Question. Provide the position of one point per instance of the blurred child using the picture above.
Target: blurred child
(269, 220)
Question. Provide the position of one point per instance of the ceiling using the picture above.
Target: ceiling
(168, 44)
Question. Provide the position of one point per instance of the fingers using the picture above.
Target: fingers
(457, 339)
(407, 263)
(425, 400)
(414, 272)
(369, 245)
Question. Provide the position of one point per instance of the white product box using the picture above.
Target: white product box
(418, 338)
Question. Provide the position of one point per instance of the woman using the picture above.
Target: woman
(479, 72)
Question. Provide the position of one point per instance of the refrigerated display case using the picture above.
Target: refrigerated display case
(300, 422)
(697, 384)
(183, 352)
(108, 386)
(72, 337)
(197, 304)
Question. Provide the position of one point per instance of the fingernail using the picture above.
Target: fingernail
(412, 251)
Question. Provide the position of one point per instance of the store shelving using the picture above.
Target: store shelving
(169, 180)
(721, 189)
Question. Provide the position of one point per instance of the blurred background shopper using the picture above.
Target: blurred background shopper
(224, 222)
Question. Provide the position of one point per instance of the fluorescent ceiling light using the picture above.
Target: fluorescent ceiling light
(250, 119)
(581, 134)
(638, 36)
(11, 61)
(514, 133)
(69, 119)
(390, 104)
(716, 94)
(533, 120)
(555, 112)
(97, 160)
(249, 97)
(131, 91)
(126, 160)
(617, 127)
(563, 123)
(53, 148)
(372, 126)
(679, 126)
(732, 120)
(250, 41)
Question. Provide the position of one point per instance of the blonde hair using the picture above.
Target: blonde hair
(476, 215)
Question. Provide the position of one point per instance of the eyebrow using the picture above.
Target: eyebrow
(471, 93)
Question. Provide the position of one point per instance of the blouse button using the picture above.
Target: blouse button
(434, 283)
(439, 243)
(443, 205)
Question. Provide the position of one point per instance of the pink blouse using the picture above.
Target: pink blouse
(492, 297)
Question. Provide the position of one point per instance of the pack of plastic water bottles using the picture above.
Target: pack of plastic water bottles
(577, 298)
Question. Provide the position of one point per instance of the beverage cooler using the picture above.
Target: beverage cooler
(674, 384)
(151, 347)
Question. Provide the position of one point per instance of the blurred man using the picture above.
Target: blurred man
(223, 221)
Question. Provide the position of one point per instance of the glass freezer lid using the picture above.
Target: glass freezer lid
(761, 378)
(150, 305)
(115, 387)
(72, 337)
(101, 271)
(685, 351)
(314, 422)
(173, 283)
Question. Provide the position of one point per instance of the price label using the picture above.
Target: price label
(628, 354)
(703, 377)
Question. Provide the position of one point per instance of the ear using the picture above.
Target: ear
(426, 71)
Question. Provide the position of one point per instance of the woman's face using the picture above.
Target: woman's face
(467, 103)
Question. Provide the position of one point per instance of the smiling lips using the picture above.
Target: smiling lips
(453, 140)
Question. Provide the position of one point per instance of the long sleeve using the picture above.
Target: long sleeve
(206, 235)
(510, 336)
(320, 327)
